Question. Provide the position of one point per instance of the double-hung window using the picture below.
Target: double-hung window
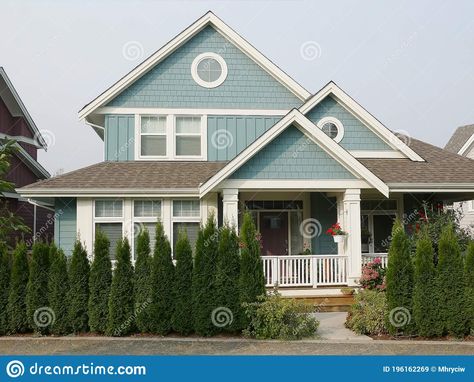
(153, 136)
(108, 218)
(188, 136)
(186, 216)
(146, 213)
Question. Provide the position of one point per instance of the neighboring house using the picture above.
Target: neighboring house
(16, 124)
(462, 143)
(207, 124)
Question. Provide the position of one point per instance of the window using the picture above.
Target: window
(209, 70)
(188, 136)
(186, 208)
(186, 217)
(146, 213)
(114, 232)
(153, 136)
(332, 127)
(108, 208)
(108, 217)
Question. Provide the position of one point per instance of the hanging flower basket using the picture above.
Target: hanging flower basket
(338, 238)
(337, 233)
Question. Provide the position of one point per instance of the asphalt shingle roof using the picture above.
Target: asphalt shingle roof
(459, 138)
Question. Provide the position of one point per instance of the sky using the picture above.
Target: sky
(409, 63)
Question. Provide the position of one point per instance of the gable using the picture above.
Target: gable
(292, 155)
(170, 84)
(357, 136)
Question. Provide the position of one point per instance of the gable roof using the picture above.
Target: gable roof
(368, 119)
(16, 106)
(208, 19)
(461, 140)
(296, 118)
(30, 162)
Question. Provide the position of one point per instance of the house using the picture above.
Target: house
(16, 124)
(462, 143)
(207, 124)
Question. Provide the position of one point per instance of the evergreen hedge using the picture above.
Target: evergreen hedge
(142, 283)
(58, 286)
(78, 295)
(16, 308)
(183, 311)
(399, 282)
(451, 285)
(162, 306)
(120, 316)
(5, 270)
(100, 280)
(469, 272)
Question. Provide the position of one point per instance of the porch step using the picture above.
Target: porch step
(328, 303)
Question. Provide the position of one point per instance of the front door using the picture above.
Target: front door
(274, 231)
(382, 232)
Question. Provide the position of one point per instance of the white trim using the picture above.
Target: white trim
(290, 184)
(199, 80)
(165, 111)
(182, 219)
(369, 120)
(382, 154)
(308, 128)
(432, 187)
(337, 123)
(208, 19)
(108, 193)
(30, 162)
(19, 138)
(466, 145)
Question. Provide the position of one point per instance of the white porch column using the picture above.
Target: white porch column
(353, 249)
(230, 204)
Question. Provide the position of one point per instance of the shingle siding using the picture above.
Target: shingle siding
(66, 224)
(170, 84)
(292, 155)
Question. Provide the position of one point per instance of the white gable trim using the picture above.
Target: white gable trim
(208, 19)
(466, 146)
(315, 134)
(368, 119)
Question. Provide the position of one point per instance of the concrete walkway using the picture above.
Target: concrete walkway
(332, 327)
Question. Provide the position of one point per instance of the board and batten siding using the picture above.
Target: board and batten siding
(119, 142)
(65, 225)
(292, 155)
(170, 84)
(228, 135)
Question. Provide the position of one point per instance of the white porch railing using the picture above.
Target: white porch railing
(369, 257)
(308, 270)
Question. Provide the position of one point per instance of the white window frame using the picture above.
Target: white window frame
(335, 121)
(143, 219)
(182, 219)
(140, 134)
(201, 82)
(470, 206)
(171, 138)
(115, 219)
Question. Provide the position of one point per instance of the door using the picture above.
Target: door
(382, 232)
(274, 231)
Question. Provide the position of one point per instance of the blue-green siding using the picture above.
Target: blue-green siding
(357, 136)
(292, 155)
(227, 136)
(170, 84)
(324, 209)
(65, 226)
(119, 137)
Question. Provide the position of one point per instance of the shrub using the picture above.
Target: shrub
(78, 296)
(204, 288)
(399, 280)
(100, 280)
(183, 311)
(368, 313)
(227, 276)
(251, 280)
(5, 271)
(162, 305)
(58, 286)
(451, 285)
(373, 275)
(16, 308)
(274, 317)
(37, 295)
(469, 272)
(142, 283)
(120, 317)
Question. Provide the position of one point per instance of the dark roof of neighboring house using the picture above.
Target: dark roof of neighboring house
(139, 175)
(459, 138)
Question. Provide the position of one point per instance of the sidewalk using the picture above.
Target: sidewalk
(332, 327)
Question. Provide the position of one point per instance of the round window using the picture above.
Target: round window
(332, 127)
(209, 70)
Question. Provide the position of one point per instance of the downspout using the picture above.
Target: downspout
(35, 205)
